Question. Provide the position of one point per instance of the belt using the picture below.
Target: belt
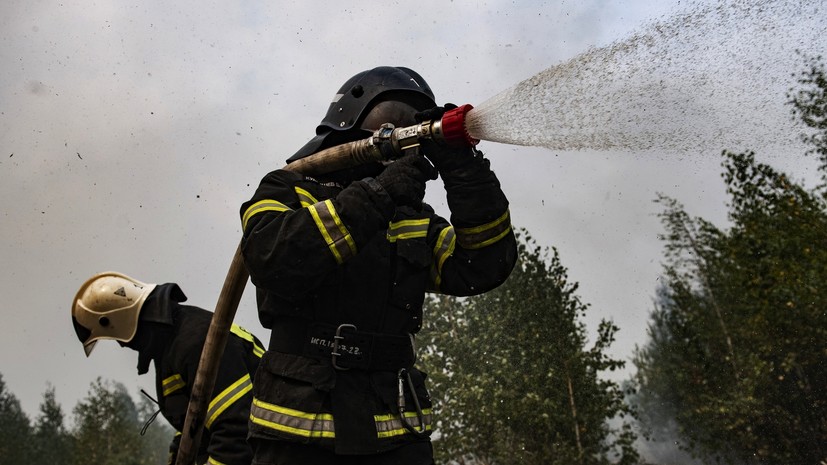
(344, 346)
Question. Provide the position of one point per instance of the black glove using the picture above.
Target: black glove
(404, 180)
(444, 158)
(434, 113)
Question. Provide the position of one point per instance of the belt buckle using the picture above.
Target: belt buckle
(334, 354)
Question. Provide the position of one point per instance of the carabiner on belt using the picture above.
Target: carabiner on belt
(403, 377)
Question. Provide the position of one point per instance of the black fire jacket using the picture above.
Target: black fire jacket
(224, 440)
(341, 275)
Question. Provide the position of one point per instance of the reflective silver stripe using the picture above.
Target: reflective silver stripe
(227, 397)
(321, 425)
(486, 234)
(305, 198)
(333, 231)
(295, 422)
(172, 384)
(408, 229)
(266, 205)
(258, 351)
(391, 425)
(443, 249)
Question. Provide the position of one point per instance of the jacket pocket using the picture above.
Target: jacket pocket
(415, 253)
(290, 399)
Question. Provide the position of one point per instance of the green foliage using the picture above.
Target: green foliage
(157, 435)
(512, 378)
(107, 429)
(736, 355)
(736, 351)
(51, 442)
(809, 105)
(15, 429)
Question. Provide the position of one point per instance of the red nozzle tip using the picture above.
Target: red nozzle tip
(453, 128)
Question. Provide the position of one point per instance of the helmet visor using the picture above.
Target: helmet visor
(89, 347)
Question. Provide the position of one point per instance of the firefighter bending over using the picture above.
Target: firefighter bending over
(342, 263)
(150, 319)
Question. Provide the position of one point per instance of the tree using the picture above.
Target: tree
(809, 105)
(156, 431)
(512, 378)
(735, 355)
(107, 429)
(15, 429)
(51, 441)
(736, 343)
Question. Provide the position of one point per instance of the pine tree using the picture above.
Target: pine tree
(15, 429)
(52, 443)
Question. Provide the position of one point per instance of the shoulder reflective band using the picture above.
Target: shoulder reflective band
(290, 421)
(227, 397)
(333, 231)
(306, 198)
(391, 425)
(486, 234)
(408, 229)
(212, 461)
(267, 205)
(258, 351)
(172, 384)
(443, 249)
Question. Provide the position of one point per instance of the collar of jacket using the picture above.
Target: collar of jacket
(156, 324)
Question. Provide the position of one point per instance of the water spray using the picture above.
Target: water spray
(389, 142)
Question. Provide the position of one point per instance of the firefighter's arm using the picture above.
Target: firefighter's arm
(229, 409)
(291, 239)
(176, 400)
(478, 250)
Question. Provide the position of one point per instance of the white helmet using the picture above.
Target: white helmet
(107, 307)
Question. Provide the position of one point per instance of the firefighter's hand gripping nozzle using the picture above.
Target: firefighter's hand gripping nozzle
(448, 130)
(388, 143)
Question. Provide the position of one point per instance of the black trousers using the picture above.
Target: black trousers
(287, 453)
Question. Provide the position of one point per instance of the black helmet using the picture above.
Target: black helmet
(357, 96)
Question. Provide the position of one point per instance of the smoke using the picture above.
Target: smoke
(664, 448)
(713, 76)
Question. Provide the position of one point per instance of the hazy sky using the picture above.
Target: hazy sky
(131, 132)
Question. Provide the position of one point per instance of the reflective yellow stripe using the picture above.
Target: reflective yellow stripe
(321, 425)
(172, 384)
(266, 205)
(408, 229)
(333, 231)
(306, 198)
(212, 461)
(391, 425)
(308, 425)
(445, 245)
(486, 234)
(258, 351)
(227, 397)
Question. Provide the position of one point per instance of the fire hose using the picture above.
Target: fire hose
(386, 143)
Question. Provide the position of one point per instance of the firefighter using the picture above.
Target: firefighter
(151, 320)
(341, 264)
